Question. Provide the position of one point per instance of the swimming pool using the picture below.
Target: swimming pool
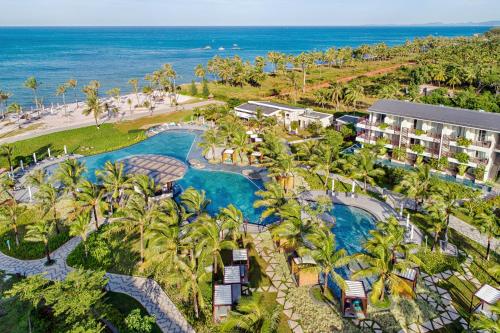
(222, 188)
(352, 226)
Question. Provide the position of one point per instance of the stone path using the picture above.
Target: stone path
(281, 279)
(146, 291)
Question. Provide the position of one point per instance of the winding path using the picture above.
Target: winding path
(147, 291)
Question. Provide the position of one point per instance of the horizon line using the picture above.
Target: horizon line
(431, 25)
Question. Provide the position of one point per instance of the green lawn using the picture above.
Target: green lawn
(90, 140)
(461, 293)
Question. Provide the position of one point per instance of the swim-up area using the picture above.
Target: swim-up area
(224, 188)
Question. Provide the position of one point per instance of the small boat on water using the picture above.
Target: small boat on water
(221, 48)
(236, 47)
(208, 47)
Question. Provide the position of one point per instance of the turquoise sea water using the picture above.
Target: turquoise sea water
(113, 55)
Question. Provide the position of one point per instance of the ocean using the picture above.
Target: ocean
(113, 55)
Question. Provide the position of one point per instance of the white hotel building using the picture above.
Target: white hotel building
(437, 128)
(302, 116)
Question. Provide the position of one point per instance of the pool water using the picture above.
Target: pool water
(352, 226)
(222, 188)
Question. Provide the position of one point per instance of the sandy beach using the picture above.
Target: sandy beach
(60, 117)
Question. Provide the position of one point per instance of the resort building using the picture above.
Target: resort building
(464, 137)
(289, 114)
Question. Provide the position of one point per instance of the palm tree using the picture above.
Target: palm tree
(15, 107)
(273, 198)
(353, 94)
(48, 196)
(4, 96)
(292, 229)
(81, 227)
(449, 195)
(322, 160)
(195, 202)
(61, 91)
(93, 105)
(379, 263)
(40, 232)
(325, 253)
(240, 144)
(135, 87)
(336, 94)
(483, 323)
(7, 151)
(417, 185)
(114, 180)
(251, 316)
(304, 61)
(140, 216)
(211, 139)
(72, 83)
(33, 84)
(89, 199)
(232, 220)
(9, 216)
(188, 275)
(366, 169)
(283, 169)
(145, 186)
(488, 223)
(70, 174)
(437, 212)
(207, 235)
(200, 72)
(6, 187)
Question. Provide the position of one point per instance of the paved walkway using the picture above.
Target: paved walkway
(281, 279)
(146, 291)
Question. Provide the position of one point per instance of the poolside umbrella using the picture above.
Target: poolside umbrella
(411, 233)
(65, 150)
(402, 208)
(34, 158)
(48, 151)
(22, 165)
(29, 192)
(333, 185)
(407, 220)
(353, 186)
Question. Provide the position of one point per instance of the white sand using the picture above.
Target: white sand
(62, 117)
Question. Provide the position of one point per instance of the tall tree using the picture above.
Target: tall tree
(89, 198)
(488, 224)
(10, 214)
(80, 227)
(39, 232)
(366, 170)
(70, 174)
(48, 197)
(33, 84)
(16, 108)
(7, 151)
(135, 87)
(93, 105)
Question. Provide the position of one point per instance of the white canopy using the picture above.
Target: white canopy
(240, 255)
(232, 274)
(355, 289)
(222, 294)
(488, 294)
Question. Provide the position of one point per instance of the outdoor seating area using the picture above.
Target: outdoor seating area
(304, 270)
(410, 276)
(354, 300)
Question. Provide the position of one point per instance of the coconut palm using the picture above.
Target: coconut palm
(89, 199)
(417, 185)
(81, 227)
(36, 178)
(7, 151)
(33, 84)
(61, 91)
(200, 72)
(366, 169)
(145, 186)
(336, 94)
(189, 276)
(379, 262)
(488, 224)
(240, 144)
(195, 202)
(93, 105)
(114, 180)
(210, 139)
(322, 160)
(293, 229)
(10, 214)
(448, 195)
(70, 174)
(437, 212)
(139, 217)
(232, 220)
(6, 187)
(39, 232)
(206, 233)
(272, 198)
(329, 258)
(283, 168)
(16, 108)
(4, 97)
(72, 83)
(305, 62)
(48, 197)
(252, 315)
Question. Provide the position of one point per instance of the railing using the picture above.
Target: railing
(426, 133)
(478, 160)
(477, 143)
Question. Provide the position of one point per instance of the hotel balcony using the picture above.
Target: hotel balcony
(424, 135)
(386, 128)
(475, 144)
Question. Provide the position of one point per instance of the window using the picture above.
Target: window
(461, 131)
(481, 136)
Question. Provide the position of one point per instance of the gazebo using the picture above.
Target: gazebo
(228, 156)
(354, 300)
(235, 274)
(255, 155)
(488, 296)
(305, 271)
(164, 170)
(410, 276)
(222, 301)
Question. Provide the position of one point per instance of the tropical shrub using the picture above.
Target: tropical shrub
(464, 142)
(462, 157)
(461, 169)
(383, 126)
(479, 172)
(436, 262)
(399, 154)
(419, 149)
(419, 132)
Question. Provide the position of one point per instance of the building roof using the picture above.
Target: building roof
(232, 274)
(408, 274)
(441, 114)
(355, 289)
(277, 105)
(346, 119)
(315, 114)
(248, 107)
(162, 169)
(305, 260)
(222, 294)
(240, 255)
(488, 294)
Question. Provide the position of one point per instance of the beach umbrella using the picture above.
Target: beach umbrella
(29, 193)
(353, 186)
(34, 158)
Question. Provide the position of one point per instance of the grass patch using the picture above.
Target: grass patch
(90, 140)
(21, 130)
(461, 293)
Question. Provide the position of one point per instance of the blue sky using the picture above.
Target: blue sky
(244, 12)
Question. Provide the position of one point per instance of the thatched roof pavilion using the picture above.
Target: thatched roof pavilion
(163, 169)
